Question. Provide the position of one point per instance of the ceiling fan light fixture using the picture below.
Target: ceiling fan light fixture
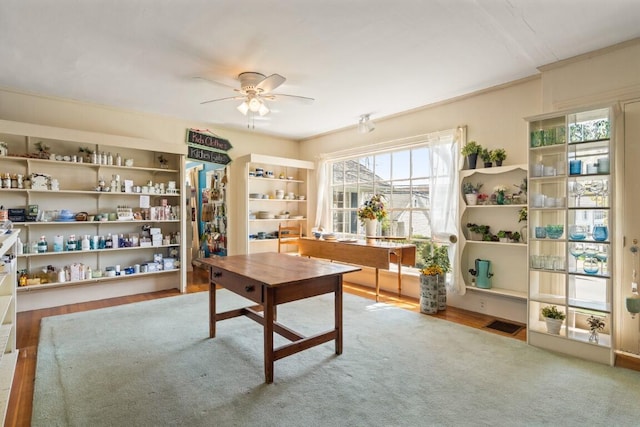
(365, 125)
(255, 104)
(263, 110)
(243, 108)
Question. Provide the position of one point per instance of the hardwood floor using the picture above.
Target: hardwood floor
(28, 332)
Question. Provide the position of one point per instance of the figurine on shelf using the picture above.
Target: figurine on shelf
(164, 162)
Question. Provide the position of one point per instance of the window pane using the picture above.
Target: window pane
(350, 171)
(337, 173)
(338, 198)
(420, 162)
(421, 223)
(383, 166)
(420, 193)
(401, 194)
(401, 165)
(366, 169)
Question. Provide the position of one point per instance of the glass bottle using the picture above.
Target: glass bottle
(71, 243)
(108, 243)
(118, 160)
(109, 159)
(42, 245)
(86, 244)
(102, 243)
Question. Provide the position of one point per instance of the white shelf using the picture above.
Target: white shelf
(60, 223)
(570, 291)
(29, 288)
(134, 248)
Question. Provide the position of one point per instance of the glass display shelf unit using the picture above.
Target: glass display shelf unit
(572, 234)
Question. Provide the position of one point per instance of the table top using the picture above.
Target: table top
(376, 243)
(276, 269)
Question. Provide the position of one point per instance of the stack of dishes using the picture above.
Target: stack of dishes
(265, 215)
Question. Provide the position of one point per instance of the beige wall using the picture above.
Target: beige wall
(57, 112)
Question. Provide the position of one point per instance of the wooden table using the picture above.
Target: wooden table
(371, 253)
(269, 279)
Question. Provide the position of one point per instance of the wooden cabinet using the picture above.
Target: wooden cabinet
(130, 196)
(572, 243)
(508, 257)
(9, 354)
(274, 191)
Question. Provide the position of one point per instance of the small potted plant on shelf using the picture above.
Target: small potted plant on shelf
(504, 236)
(485, 156)
(553, 318)
(596, 324)
(471, 192)
(477, 232)
(471, 150)
(515, 237)
(498, 156)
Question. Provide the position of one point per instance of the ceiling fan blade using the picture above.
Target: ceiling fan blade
(304, 99)
(270, 83)
(222, 99)
(215, 82)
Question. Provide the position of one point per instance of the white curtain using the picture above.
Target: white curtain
(444, 199)
(323, 197)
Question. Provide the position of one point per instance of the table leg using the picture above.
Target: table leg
(269, 300)
(212, 309)
(377, 285)
(338, 314)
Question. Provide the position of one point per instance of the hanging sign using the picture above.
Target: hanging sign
(208, 140)
(204, 155)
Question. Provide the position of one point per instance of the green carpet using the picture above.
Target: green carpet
(151, 364)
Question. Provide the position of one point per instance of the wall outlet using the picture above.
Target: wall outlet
(483, 305)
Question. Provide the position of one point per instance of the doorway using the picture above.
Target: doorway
(629, 324)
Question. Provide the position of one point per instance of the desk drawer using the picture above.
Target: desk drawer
(240, 285)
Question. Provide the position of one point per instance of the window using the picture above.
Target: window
(405, 177)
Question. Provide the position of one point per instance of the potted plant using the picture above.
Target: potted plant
(504, 236)
(596, 324)
(471, 192)
(515, 237)
(471, 150)
(553, 318)
(485, 155)
(433, 294)
(498, 155)
(478, 232)
(4, 149)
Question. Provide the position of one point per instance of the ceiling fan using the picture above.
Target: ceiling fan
(254, 89)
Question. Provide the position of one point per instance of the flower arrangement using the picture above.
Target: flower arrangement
(436, 261)
(500, 189)
(373, 208)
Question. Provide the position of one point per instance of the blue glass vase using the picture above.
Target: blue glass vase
(600, 233)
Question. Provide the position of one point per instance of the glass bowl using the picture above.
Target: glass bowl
(591, 266)
(577, 232)
(554, 231)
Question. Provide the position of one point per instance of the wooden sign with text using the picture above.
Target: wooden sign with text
(204, 155)
(207, 140)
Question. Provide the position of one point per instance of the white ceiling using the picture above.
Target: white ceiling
(352, 56)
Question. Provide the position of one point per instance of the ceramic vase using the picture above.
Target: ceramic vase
(428, 294)
(371, 227)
